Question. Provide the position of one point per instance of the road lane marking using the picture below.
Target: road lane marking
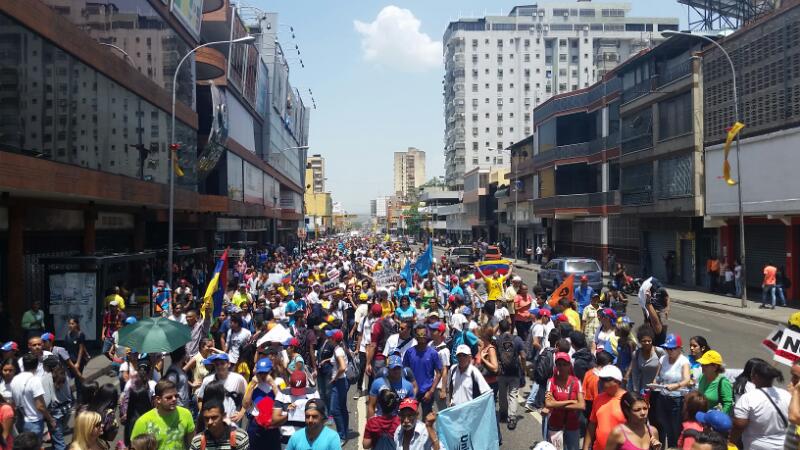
(707, 330)
(361, 408)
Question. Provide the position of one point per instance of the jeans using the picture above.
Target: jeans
(571, 439)
(440, 404)
(36, 428)
(339, 406)
(324, 384)
(779, 294)
(57, 433)
(507, 397)
(738, 283)
(263, 438)
(362, 366)
(531, 401)
(668, 418)
(768, 288)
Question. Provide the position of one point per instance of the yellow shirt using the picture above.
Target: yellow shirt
(387, 307)
(573, 318)
(115, 297)
(238, 299)
(494, 287)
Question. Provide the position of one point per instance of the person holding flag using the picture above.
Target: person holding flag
(214, 292)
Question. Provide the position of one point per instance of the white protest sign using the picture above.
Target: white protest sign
(385, 278)
(275, 278)
(788, 350)
(773, 339)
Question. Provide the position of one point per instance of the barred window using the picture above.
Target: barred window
(675, 177)
(675, 116)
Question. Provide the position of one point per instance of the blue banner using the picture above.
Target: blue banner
(406, 272)
(425, 260)
(469, 426)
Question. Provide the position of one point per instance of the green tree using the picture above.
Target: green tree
(412, 220)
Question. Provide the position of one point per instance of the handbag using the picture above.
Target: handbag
(557, 439)
(353, 364)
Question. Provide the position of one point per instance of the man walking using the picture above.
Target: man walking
(511, 356)
(768, 285)
(466, 382)
(218, 435)
(28, 394)
(424, 362)
(170, 424)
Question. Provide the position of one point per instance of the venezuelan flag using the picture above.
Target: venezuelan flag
(216, 287)
(490, 267)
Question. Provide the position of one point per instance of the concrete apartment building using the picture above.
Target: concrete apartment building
(409, 172)
(498, 68)
(316, 163)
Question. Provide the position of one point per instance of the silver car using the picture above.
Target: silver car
(555, 271)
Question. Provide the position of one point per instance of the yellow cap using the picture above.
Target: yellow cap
(794, 319)
(710, 357)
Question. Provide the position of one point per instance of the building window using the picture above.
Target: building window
(562, 57)
(527, 43)
(499, 87)
(474, 88)
(474, 117)
(474, 42)
(475, 146)
(675, 177)
(675, 116)
(500, 145)
(486, 100)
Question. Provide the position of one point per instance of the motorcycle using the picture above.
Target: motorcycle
(631, 286)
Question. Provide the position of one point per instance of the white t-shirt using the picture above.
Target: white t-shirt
(233, 383)
(338, 352)
(543, 331)
(444, 357)
(5, 390)
(179, 319)
(672, 373)
(234, 341)
(501, 314)
(766, 429)
(25, 387)
(393, 342)
(462, 384)
(278, 313)
(365, 328)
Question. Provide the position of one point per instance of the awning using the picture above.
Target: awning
(501, 193)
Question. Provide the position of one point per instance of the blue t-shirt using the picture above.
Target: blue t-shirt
(402, 292)
(583, 296)
(456, 290)
(403, 389)
(462, 337)
(406, 313)
(327, 440)
(423, 364)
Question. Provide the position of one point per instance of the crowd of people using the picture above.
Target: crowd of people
(301, 332)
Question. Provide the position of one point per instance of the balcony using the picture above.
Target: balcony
(577, 201)
(674, 72)
(636, 143)
(638, 90)
(578, 150)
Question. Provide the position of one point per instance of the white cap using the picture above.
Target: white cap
(463, 349)
(113, 303)
(610, 371)
(516, 278)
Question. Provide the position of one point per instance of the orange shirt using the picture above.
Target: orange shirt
(769, 275)
(607, 414)
(590, 385)
(713, 265)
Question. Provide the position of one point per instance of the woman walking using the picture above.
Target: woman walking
(88, 428)
(636, 433)
(673, 379)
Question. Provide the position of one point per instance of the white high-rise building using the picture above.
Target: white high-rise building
(498, 68)
(317, 165)
(409, 172)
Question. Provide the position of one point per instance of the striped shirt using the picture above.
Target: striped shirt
(242, 441)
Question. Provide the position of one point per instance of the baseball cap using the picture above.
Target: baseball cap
(625, 319)
(215, 357)
(563, 356)
(437, 326)
(409, 403)
(463, 349)
(264, 365)
(395, 361)
(608, 312)
(433, 314)
(10, 346)
(672, 341)
(716, 420)
(131, 320)
(562, 318)
(113, 303)
(336, 335)
(544, 312)
(48, 337)
(710, 357)
(376, 309)
(516, 278)
(293, 342)
(467, 310)
(242, 284)
(534, 311)
(298, 383)
(584, 278)
(610, 371)
(363, 297)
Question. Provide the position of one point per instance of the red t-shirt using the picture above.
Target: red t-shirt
(377, 336)
(7, 411)
(380, 425)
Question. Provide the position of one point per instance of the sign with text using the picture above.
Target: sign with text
(788, 348)
(385, 278)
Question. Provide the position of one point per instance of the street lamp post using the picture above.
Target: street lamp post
(174, 148)
(737, 118)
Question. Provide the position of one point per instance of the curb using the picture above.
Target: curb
(742, 313)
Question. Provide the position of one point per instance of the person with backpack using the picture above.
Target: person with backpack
(219, 435)
(465, 382)
(176, 374)
(543, 365)
(380, 333)
(511, 356)
(393, 381)
(363, 344)
(564, 402)
(426, 366)
(307, 340)
(259, 401)
(379, 430)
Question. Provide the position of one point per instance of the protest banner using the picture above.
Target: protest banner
(469, 426)
(788, 350)
(773, 339)
(385, 278)
(275, 278)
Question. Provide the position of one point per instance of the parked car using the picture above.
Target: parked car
(461, 256)
(555, 271)
(492, 253)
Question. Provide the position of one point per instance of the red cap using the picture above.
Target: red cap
(294, 342)
(376, 309)
(544, 312)
(409, 403)
(563, 356)
(562, 318)
(452, 298)
(297, 383)
(584, 278)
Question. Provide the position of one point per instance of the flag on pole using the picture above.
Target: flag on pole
(470, 425)
(178, 170)
(216, 287)
(425, 260)
(501, 266)
(406, 272)
(726, 166)
(567, 289)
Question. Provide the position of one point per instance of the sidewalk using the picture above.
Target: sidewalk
(96, 368)
(703, 300)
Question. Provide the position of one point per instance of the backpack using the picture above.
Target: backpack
(231, 441)
(507, 357)
(302, 337)
(476, 390)
(388, 328)
(543, 366)
(384, 442)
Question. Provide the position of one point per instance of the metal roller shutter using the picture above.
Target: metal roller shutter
(658, 244)
(765, 243)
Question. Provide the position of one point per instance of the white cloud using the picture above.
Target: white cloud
(395, 40)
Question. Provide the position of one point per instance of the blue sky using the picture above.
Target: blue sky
(376, 73)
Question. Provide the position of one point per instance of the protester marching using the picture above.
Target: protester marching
(271, 350)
